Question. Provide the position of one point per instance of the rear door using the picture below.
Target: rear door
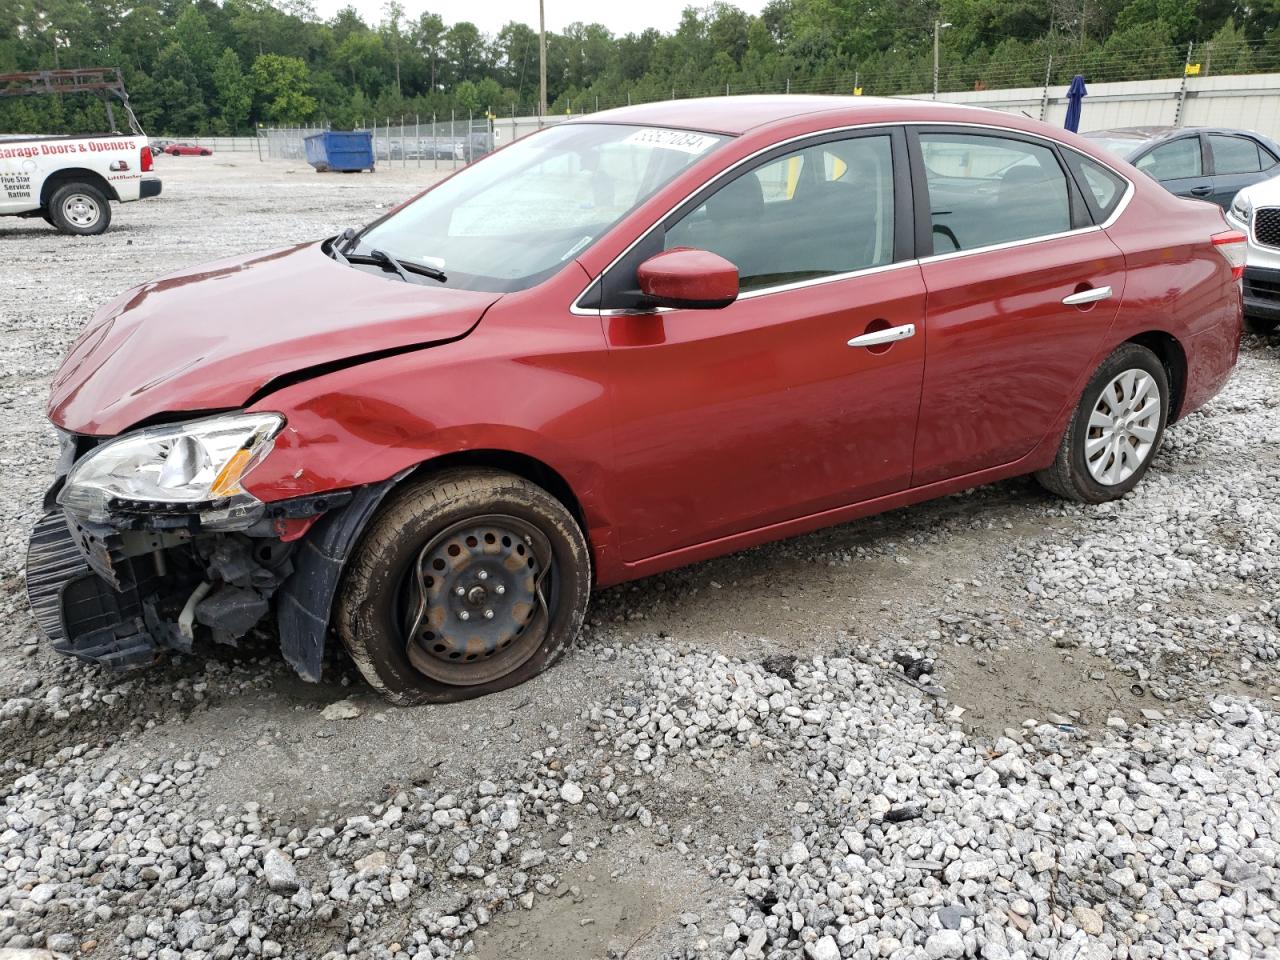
(1181, 165)
(1237, 161)
(761, 412)
(1021, 288)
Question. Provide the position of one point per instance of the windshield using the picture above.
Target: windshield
(1122, 147)
(518, 216)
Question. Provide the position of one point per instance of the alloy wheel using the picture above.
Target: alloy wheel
(1123, 427)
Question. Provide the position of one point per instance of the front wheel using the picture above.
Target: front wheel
(1115, 431)
(465, 584)
(79, 209)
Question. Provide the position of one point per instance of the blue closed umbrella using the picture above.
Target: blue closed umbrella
(1075, 94)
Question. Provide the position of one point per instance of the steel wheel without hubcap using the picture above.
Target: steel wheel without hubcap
(1123, 427)
(476, 602)
(81, 211)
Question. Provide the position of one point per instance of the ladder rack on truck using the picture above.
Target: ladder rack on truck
(106, 83)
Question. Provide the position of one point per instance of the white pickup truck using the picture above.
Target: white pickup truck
(71, 181)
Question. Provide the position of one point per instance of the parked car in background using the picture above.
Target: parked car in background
(619, 345)
(1256, 211)
(1207, 163)
(187, 150)
(157, 146)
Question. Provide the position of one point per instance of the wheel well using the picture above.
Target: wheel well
(75, 175)
(1174, 358)
(531, 469)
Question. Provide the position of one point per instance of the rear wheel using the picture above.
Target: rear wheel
(468, 583)
(79, 209)
(1115, 431)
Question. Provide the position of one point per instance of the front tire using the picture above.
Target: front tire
(1115, 431)
(487, 572)
(79, 209)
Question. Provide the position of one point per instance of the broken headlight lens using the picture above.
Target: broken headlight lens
(193, 467)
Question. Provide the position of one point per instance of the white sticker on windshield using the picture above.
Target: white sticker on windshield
(681, 140)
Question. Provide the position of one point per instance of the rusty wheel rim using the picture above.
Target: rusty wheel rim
(477, 605)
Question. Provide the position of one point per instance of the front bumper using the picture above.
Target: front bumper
(1262, 292)
(122, 594)
(120, 597)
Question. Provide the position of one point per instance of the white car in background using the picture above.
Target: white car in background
(1256, 211)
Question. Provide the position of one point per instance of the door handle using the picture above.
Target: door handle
(1092, 295)
(887, 335)
(1201, 191)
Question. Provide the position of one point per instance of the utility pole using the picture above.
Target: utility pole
(938, 27)
(542, 59)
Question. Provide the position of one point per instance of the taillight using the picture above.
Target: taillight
(146, 159)
(1232, 245)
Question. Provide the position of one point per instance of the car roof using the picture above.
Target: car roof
(1143, 134)
(736, 115)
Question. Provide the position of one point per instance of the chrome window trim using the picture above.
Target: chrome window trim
(577, 309)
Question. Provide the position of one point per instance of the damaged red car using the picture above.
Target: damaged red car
(620, 345)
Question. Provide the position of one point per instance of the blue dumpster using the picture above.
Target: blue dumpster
(342, 150)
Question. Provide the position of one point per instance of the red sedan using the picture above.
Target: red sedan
(187, 150)
(623, 344)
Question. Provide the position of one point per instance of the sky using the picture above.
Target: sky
(620, 16)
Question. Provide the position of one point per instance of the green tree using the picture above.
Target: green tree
(280, 87)
(181, 108)
(234, 91)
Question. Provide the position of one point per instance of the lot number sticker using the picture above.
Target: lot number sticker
(681, 140)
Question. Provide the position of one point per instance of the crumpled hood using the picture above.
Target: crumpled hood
(210, 337)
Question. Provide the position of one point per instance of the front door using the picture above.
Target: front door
(1021, 291)
(734, 419)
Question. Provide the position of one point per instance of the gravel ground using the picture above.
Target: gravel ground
(991, 726)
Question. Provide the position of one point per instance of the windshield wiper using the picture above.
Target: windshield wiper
(402, 267)
(384, 258)
(380, 258)
(337, 253)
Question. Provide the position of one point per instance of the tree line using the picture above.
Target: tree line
(217, 67)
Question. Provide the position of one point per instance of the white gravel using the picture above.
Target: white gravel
(995, 726)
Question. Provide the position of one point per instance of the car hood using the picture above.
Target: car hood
(211, 337)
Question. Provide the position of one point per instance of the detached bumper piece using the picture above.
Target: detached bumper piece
(119, 598)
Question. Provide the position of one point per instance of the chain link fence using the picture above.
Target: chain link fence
(431, 142)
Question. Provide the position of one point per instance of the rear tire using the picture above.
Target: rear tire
(1115, 431)
(1261, 325)
(506, 639)
(79, 209)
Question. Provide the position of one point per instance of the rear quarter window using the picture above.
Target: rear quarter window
(1103, 188)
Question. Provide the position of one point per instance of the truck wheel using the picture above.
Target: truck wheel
(79, 209)
(465, 584)
(1115, 431)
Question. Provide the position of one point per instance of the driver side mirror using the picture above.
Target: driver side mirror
(688, 278)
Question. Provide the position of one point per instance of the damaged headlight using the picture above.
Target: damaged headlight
(192, 468)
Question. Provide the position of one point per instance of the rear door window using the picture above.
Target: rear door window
(988, 189)
(1238, 155)
(1174, 160)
